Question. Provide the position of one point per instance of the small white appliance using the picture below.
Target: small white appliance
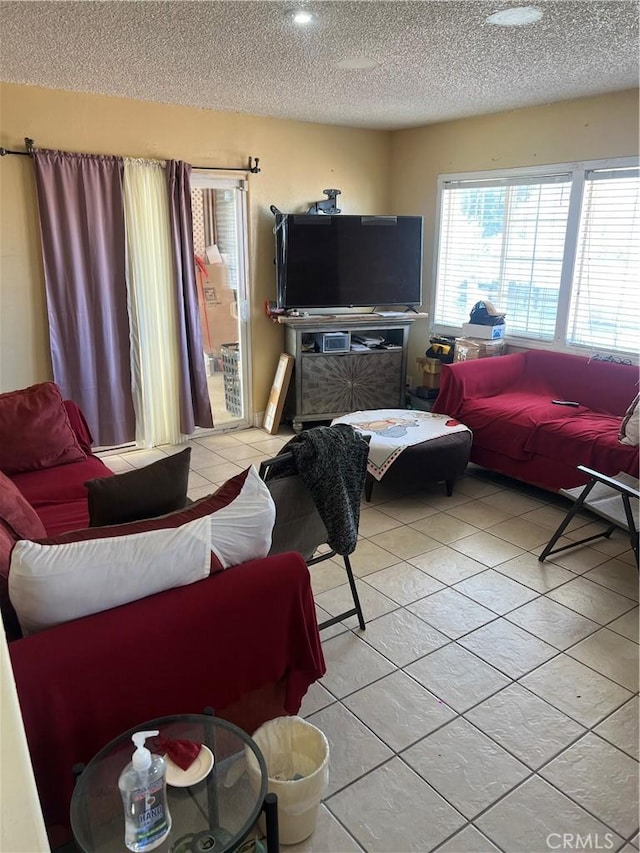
(334, 341)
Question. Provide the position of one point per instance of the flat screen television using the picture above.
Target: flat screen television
(346, 261)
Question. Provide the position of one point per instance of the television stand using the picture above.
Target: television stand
(326, 385)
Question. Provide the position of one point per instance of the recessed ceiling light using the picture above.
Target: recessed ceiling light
(357, 63)
(302, 16)
(516, 17)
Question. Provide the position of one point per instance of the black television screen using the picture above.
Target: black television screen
(346, 261)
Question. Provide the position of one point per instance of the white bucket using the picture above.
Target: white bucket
(297, 758)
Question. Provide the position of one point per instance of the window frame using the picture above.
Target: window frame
(578, 171)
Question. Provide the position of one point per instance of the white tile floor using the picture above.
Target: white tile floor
(492, 702)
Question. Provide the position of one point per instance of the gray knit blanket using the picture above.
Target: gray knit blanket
(332, 462)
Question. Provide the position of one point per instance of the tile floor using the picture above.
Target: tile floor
(492, 702)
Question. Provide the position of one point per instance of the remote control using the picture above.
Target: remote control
(566, 403)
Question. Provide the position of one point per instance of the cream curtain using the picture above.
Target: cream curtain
(152, 304)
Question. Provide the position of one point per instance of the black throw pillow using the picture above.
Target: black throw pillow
(147, 492)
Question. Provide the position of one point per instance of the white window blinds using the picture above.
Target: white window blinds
(606, 280)
(503, 240)
(557, 250)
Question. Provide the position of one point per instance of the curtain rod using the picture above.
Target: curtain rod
(253, 166)
(28, 144)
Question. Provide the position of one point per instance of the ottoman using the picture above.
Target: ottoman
(410, 448)
(432, 461)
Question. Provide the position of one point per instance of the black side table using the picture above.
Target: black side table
(215, 814)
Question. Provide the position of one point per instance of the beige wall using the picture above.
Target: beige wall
(583, 129)
(378, 172)
(298, 160)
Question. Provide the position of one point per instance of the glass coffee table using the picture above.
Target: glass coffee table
(215, 814)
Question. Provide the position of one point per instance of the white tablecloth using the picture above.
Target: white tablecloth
(392, 430)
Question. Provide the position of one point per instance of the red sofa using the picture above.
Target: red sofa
(518, 431)
(243, 641)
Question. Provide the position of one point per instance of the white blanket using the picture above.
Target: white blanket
(392, 430)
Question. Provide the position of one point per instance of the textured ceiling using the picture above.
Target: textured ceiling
(438, 59)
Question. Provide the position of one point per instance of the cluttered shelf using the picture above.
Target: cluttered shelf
(342, 367)
(482, 337)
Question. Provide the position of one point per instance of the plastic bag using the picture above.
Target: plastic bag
(297, 757)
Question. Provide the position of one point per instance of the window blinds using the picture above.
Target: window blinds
(606, 280)
(503, 240)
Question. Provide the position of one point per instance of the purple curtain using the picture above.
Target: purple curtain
(83, 248)
(195, 408)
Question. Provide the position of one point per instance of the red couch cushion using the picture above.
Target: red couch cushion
(35, 431)
(17, 513)
(510, 420)
(588, 438)
(59, 495)
(598, 385)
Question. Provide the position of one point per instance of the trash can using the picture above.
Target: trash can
(297, 757)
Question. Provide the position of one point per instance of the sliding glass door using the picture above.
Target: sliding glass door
(219, 238)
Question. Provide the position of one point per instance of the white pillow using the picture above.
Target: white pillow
(83, 572)
(242, 529)
(49, 584)
(630, 427)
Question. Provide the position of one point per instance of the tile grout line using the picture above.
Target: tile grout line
(513, 681)
(399, 607)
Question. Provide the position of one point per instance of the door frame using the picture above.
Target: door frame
(205, 180)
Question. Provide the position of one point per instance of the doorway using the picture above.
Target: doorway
(220, 245)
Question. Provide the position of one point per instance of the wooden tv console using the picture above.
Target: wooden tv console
(326, 385)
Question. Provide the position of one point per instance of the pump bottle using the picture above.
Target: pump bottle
(143, 789)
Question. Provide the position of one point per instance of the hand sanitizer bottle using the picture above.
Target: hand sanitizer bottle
(147, 821)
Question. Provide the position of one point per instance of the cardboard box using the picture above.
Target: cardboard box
(475, 330)
(430, 380)
(470, 348)
(218, 311)
(430, 365)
